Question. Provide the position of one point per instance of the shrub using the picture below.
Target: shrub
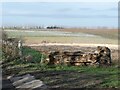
(36, 55)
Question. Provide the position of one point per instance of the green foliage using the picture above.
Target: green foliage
(108, 75)
(37, 56)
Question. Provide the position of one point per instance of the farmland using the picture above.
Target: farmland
(106, 33)
(59, 45)
(66, 36)
(61, 76)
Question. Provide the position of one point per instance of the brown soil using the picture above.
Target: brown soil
(47, 49)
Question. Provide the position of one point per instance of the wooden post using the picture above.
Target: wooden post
(41, 61)
(20, 47)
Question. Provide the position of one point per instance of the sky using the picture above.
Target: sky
(68, 14)
(59, 0)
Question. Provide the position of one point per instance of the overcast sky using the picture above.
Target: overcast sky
(72, 14)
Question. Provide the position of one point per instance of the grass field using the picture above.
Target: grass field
(67, 36)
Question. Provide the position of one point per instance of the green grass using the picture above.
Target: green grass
(64, 76)
(51, 75)
(37, 56)
(108, 77)
(26, 51)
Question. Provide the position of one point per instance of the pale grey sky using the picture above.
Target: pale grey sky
(73, 14)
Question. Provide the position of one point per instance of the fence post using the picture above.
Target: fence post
(41, 61)
(20, 47)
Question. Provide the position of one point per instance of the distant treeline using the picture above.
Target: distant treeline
(31, 27)
(50, 27)
(54, 27)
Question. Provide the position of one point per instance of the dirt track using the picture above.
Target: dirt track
(111, 46)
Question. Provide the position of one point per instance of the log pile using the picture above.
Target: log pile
(102, 56)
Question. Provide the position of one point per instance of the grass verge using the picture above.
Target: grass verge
(64, 76)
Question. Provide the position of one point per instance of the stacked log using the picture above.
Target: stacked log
(102, 56)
